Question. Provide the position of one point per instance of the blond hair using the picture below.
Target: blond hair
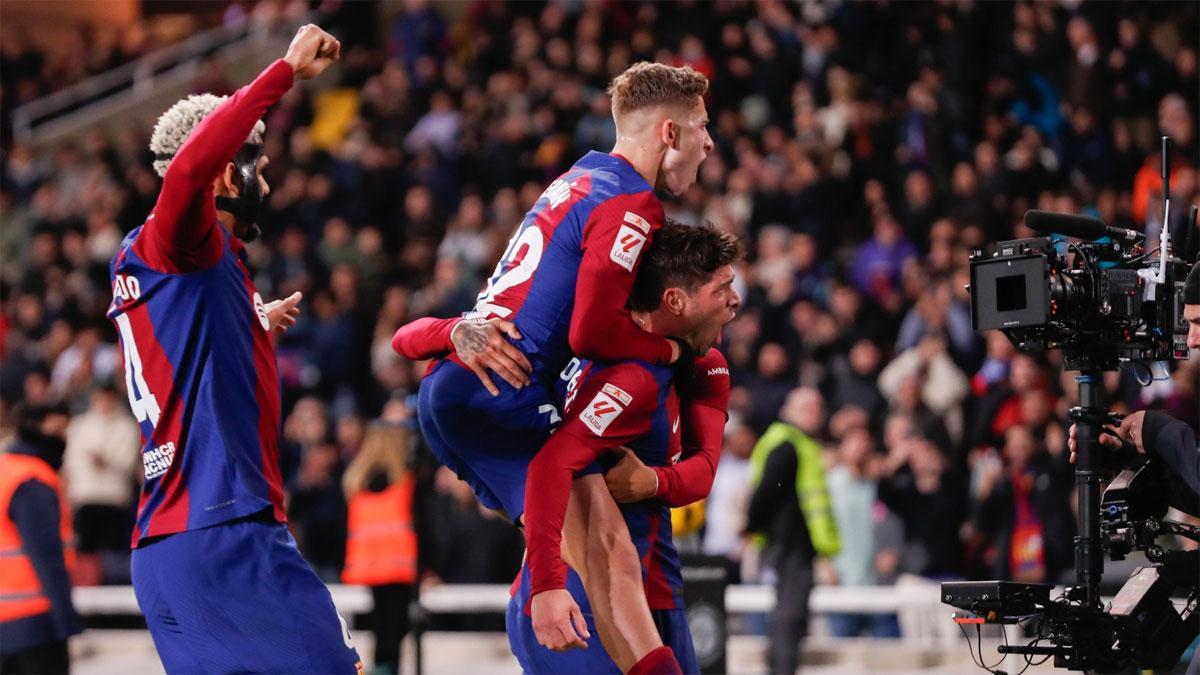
(177, 123)
(384, 448)
(644, 85)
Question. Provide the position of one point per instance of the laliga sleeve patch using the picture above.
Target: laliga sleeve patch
(638, 221)
(604, 408)
(627, 247)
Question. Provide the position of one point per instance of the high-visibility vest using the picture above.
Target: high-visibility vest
(810, 483)
(21, 593)
(381, 545)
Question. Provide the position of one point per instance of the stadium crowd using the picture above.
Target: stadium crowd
(863, 150)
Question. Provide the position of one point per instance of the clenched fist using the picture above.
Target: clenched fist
(312, 51)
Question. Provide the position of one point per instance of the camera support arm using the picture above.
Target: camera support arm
(1089, 420)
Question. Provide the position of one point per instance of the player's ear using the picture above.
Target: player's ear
(668, 131)
(227, 180)
(675, 300)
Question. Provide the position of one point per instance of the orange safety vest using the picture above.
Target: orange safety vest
(21, 593)
(381, 546)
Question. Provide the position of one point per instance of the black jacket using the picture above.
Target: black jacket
(1175, 442)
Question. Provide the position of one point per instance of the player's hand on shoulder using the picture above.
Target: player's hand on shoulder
(282, 314)
(483, 347)
(312, 51)
(557, 621)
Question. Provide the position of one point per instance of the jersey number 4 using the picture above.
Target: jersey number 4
(141, 400)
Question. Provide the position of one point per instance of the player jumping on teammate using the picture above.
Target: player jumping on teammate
(564, 281)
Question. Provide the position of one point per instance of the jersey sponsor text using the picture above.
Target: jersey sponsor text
(156, 462)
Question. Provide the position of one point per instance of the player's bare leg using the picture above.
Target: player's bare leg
(597, 545)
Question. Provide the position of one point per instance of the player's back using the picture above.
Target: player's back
(201, 376)
(600, 208)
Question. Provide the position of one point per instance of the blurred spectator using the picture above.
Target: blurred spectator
(853, 491)
(381, 549)
(879, 262)
(791, 505)
(452, 516)
(927, 371)
(102, 472)
(1022, 502)
(930, 501)
(725, 518)
(317, 511)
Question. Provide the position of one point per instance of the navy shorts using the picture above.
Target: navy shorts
(238, 597)
(534, 658)
(487, 440)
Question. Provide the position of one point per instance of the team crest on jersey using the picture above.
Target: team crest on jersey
(261, 310)
(627, 247)
(609, 403)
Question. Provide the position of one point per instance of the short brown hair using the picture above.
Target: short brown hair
(681, 256)
(643, 85)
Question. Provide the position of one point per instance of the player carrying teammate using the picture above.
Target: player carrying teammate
(684, 288)
(217, 576)
(563, 282)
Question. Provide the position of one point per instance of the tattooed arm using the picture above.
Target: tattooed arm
(482, 347)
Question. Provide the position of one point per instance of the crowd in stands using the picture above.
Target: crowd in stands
(863, 150)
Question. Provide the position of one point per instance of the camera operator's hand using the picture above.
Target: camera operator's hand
(1107, 438)
(1131, 430)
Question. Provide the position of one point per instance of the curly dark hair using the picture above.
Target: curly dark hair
(681, 256)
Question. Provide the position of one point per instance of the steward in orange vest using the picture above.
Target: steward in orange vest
(381, 544)
(36, 614)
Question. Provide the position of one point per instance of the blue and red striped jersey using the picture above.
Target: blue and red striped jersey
(200, 365)
(570, 265)
(683, 482)
(633, 404)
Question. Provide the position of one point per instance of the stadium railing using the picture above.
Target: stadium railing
(168, 71)
(493, 598)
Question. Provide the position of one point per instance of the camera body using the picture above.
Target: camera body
(1102, 307)
(1104, 302)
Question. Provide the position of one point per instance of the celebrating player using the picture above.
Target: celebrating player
(563, 283)
(684, 288)
(217, 576)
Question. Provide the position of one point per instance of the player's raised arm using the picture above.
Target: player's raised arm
(180, 229)
(614, 238)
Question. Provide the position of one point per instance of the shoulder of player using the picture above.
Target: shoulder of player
(713, 360)
(712, 366)
(636, 381)
(711, 386)
(644, 203)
